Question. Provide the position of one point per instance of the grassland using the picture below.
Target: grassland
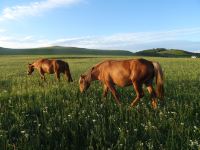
(54, 115)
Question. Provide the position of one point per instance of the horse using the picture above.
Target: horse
(50, 66)
(124, 73)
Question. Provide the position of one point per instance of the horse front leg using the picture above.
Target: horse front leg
(114, 93)
(139, 93)
(42, 75)
(105, 90)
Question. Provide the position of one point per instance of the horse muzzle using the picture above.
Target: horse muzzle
(82, 91)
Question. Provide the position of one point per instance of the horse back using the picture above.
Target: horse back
(61, 66)
(51, 65)
(124, 72)
(142, 70)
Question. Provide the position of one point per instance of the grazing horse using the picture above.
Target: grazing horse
(52, 67)
(123, 73)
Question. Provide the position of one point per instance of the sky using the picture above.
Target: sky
(101, 24)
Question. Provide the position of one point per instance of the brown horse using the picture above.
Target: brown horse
(123, 73)
(52, 67)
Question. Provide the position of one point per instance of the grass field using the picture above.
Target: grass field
(55, 115)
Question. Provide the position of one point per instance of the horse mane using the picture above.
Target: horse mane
(88, 73)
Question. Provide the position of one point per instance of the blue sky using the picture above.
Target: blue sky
(104, 24)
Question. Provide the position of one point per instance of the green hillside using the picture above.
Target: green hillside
(56, 50)
(162, 52)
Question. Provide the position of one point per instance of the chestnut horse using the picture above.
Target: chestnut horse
(123, 73)
(52, 67)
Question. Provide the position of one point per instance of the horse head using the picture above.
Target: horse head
(30, 69)
(84, 83)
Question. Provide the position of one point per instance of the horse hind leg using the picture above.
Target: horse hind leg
(152, 95)
(139, 93)
(68, 76)
(57, 76)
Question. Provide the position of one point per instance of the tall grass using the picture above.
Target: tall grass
(55, 115)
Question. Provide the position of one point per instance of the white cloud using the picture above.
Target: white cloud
(22, 42)
(33, 9)
(180, 38)
(187, 39)
(2, 30)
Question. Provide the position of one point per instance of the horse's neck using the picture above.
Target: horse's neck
(35, 64)
(93, 75)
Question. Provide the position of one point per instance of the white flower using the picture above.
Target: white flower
(22, 131)
(135, 130)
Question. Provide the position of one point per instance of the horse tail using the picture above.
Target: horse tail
(68, 72)
(159, 80)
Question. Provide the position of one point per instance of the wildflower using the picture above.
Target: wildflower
(154, 127)
(194, 143)
(26, 135)
(22, 132)
(161, 113)
(135, 130)
(146, 127)
(101, 106)
(141, 143)
(45, 109)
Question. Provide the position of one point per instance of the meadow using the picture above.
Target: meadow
(55, 115)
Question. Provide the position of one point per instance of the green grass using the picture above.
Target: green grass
(55, 115)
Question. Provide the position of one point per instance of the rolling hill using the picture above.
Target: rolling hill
(162, 52)
(59, 50)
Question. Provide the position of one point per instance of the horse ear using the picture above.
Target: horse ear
(92, 69)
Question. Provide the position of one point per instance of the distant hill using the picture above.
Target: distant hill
(59, 50)
(56, 50)
(162, 52)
